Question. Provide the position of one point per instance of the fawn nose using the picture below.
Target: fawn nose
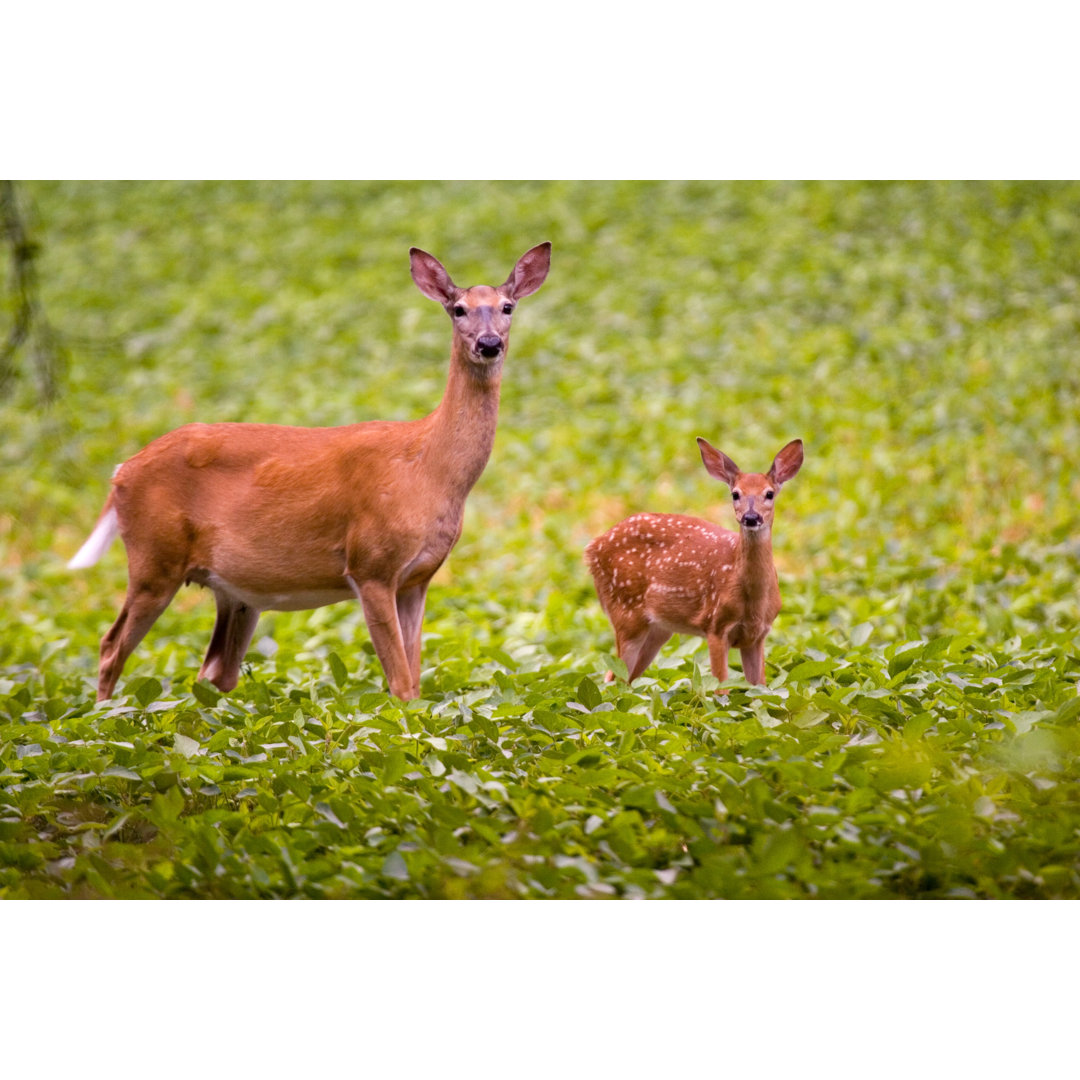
(751, 519)
(490, 345)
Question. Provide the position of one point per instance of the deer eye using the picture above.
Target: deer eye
(769, 495)
(459, 311)
(735, 496)
(508, 309)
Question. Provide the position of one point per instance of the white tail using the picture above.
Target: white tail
(663, 574)
(290, 518)
(97, 542)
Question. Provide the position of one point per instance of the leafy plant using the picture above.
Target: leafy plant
(918, 734)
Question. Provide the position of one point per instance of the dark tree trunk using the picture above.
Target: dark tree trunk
(29, 324)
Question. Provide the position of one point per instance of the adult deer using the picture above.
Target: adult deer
(663, 574)
(289, 518)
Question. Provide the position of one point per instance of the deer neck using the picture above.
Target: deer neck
(462, 430)
(756, 571)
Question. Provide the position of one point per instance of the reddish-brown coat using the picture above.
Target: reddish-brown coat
(289, 518)
(663, 574)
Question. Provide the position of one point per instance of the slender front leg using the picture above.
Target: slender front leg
(639, 652)
(410, 609)
(753, 663)
(718, 650)
(380, 611)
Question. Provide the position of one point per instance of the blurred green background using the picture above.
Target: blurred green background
(921, 338)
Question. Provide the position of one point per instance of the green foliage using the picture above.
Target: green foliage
(918, 737)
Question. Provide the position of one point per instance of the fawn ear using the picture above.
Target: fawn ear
(787, 463)
(529, 272)
(431, 277)
(719, 465)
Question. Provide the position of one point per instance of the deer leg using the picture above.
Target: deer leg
(229, 642)
(141, 609)
(753, 663)
(410, 609)
(640, 651)
(718, 651)
(380, 611)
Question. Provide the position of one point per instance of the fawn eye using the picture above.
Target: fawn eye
(458, 311)
(769, 495)
(735, 496)
(508, 309)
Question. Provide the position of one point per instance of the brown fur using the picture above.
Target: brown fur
(663, 574)
(288, 518)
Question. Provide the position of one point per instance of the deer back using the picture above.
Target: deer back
(677, 570)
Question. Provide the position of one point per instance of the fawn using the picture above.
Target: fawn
(290, 518)
(663, 574)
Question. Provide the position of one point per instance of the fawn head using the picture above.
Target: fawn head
(753, 494)
(481, 315)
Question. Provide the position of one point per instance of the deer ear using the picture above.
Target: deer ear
(718, 465)
(431, 277)
(529, 272)
(787, 463)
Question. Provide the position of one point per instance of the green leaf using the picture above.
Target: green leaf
(588, 693)
(812, 669)
(904, 657)
(324, 810)
(394, 767)
(1068, 711)
(937, 647)
(185, 745)
(640, 796)
(146, 691)
(917, 726)
(394, 866)
(338, 670)
(781, 848)
(501, 656)
(119, 770)
(205, 693)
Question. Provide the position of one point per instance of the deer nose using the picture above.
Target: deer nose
(751, 519)
(490, 345)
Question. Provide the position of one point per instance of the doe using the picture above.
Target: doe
(282, 518)
(663, 574)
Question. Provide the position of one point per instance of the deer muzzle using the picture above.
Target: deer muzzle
(489, 345)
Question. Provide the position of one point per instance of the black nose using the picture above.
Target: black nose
(489, 345)
(751, 520)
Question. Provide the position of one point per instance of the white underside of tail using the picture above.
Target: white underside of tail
(97, 543)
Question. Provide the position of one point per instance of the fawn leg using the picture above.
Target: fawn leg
(640, 651)
(753, 663)
(718, 650)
